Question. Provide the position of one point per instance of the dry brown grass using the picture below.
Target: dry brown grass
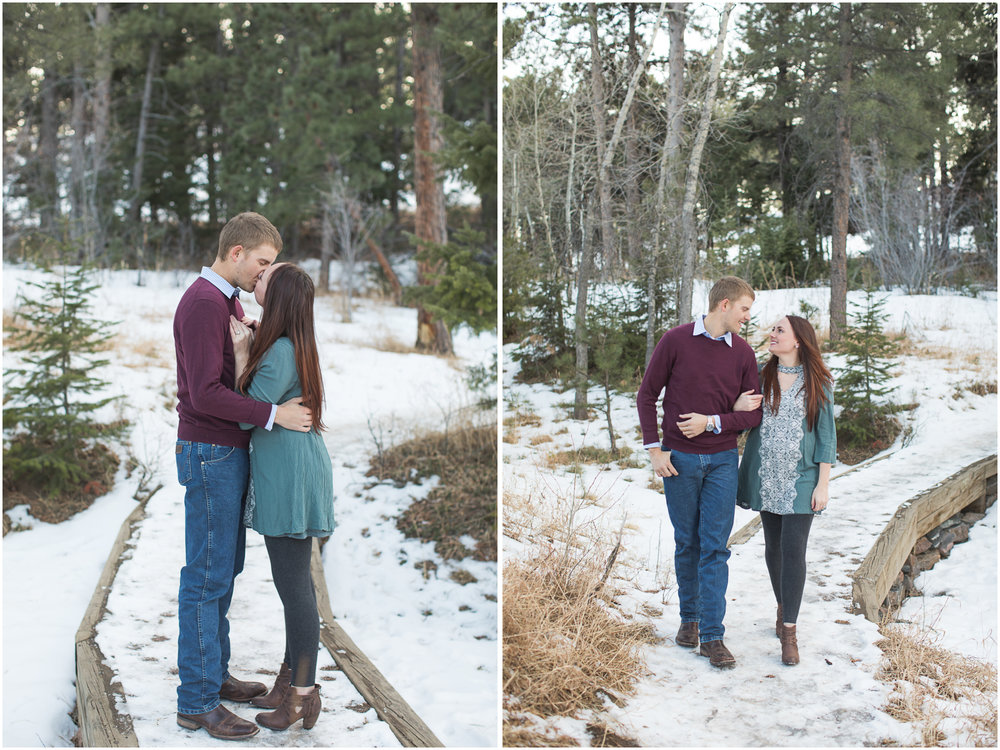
(386, 341)
(465, 500)
(934, 684)
(518, 733)
(563, 644)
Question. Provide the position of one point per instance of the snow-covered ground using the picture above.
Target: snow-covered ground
(433, 639)
(832, 696)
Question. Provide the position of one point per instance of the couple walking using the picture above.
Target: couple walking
(713, 390)
(249, 453)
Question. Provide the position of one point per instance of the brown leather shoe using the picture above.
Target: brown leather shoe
(273, 698)
(778, 622)
(687, 635)
(789, 646)
(293, 707)
(239, 691)
(718, 655)
(220, 722)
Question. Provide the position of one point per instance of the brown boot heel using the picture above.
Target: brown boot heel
(293, 707)
(789, 646)
(272, 699)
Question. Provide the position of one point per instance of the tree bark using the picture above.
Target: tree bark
(842, 183)
(140, 141)
(102, 121)
(598, 105)
(48, 156)
(666, 209)
(688, 239)
(632, 169)
(431, 219)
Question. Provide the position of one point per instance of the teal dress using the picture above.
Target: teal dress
(780, 477)
(291, 476)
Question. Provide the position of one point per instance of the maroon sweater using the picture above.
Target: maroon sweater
(701, 376)
(208, 406)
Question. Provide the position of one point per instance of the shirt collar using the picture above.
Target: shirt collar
(219, 283)
(700, 330)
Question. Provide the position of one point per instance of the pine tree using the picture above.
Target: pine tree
(462, 289)
(861, 385)
(52, 423)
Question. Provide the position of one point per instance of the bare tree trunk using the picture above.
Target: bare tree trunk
(688, 240)
(397, 133)
(666, 202)
(585, 269)
(48, 156)
(397, 288)
(842, 184)
(632, 195)
(102, 120)
(135, 219)
(431, 220)
(599, 108)
(325, 246)
(78, 158)
(605, 153)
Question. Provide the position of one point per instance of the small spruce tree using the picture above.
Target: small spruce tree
(51, 425)
(464, 289)
(861, 384)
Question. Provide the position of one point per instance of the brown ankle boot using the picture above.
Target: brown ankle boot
(273, 698)
(778, 622)
(293, 707)
(789, 646)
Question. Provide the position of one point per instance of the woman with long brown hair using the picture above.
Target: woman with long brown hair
(785, 470)
(290, 498)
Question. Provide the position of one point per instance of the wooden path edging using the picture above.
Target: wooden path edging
(99, 693)
(409, 729)
(97, 690)
(875, 576)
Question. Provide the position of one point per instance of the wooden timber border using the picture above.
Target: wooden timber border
(914, 518)
(409, 729)
(97, 691)
(99, 694)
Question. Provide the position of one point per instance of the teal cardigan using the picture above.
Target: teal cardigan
(291, 471)
(818, 446)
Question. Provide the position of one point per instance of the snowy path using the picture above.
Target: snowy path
(831, 697)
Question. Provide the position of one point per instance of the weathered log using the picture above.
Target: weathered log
(914, 518)
(98, 694)
(409, 729)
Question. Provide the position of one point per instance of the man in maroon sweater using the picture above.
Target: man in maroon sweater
(213, 465)
(702, 368)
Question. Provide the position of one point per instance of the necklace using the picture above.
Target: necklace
(789, 370)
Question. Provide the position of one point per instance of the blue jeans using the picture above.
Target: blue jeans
(215, 481)
(701, 502)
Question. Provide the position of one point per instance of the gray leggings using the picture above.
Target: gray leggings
(290, 560)
(785, 540)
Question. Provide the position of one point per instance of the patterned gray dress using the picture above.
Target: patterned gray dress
(780, 439)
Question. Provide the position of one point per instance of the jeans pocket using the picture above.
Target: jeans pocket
(183, 455)
(219, 453)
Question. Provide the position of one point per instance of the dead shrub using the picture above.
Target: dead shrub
(933, 684)
(464, 501)
(563, 644)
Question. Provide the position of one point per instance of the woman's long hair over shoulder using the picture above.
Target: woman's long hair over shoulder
(288, 311)
(815, 374)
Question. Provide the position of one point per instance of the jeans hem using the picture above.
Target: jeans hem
(203, 711)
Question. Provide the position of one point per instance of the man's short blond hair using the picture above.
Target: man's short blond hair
(250, 230)
(730, 288)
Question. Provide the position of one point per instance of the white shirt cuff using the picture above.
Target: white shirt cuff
(270, 422)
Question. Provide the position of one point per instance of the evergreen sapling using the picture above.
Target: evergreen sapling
(51, 423)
